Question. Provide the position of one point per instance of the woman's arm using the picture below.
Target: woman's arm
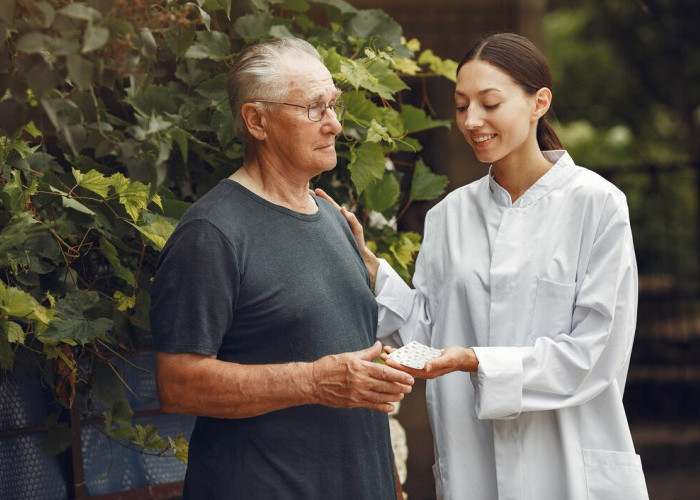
(571, 369)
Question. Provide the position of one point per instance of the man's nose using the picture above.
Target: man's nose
(333, 122)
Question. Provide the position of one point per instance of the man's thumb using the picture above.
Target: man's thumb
(371, 352)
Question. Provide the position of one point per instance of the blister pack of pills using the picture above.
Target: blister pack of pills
(415, 355)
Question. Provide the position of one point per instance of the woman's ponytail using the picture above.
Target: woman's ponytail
(547, 138)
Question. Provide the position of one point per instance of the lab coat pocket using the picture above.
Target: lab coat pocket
(611, 475)
(554, 305)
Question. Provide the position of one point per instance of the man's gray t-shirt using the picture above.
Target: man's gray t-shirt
(255, 283)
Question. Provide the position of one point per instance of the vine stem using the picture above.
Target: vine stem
(403, 210)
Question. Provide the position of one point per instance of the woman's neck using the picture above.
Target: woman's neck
(517, 175)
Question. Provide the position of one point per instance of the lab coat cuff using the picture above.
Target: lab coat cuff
(498, 382)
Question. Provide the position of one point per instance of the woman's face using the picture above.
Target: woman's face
(497, 117)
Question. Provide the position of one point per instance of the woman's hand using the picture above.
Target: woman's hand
(371, 260)
(452, 359)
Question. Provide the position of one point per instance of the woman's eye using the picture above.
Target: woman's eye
(491, 106)
(461, 109)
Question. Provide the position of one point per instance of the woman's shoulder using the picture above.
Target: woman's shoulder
(461, 197)
(588, 184)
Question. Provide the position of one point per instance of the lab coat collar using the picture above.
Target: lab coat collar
(563, 167)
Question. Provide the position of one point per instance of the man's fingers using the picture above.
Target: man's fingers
(389, 374)
(371, 352)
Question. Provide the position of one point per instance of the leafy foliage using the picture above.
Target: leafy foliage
(114, 118)
(627, 74)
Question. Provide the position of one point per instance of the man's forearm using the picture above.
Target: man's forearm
(202, 385)
(205, 386)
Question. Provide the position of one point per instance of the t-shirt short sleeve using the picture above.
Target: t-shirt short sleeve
(196, 274)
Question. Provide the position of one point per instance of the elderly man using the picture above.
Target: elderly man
(261, 311)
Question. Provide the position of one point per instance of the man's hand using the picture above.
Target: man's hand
(371, 261)
(452, 359)
(353, 380)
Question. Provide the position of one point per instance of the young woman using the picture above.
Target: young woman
(527, 280)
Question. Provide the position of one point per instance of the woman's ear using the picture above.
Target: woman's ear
(254, 120)
(543, 100)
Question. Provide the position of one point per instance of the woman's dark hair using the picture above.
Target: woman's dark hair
(525, 64)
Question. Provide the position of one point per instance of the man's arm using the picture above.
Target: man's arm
(202, 385)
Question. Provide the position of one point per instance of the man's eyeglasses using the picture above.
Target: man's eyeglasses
(315, 110)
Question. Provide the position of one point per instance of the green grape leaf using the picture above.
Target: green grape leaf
(366, 165)
(441, 67)
(73, 322)
(376, 24)
(17, 303)
(32, 43)
(405, 248)
(210, 45)
(14, 331)
(120, 271)
(253, 26)
(416, 120)
(92, 180)
(124, 301)
(147, 437)
(95, 38)
(81, 12)
(382, 194)
(155, 99)
(425, 184)
(180, 447)
(157, 229)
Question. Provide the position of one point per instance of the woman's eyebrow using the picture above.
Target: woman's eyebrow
(481, 92)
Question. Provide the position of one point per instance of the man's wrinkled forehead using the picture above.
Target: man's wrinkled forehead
(309, 78)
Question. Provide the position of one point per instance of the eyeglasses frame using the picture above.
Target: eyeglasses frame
(308, 107)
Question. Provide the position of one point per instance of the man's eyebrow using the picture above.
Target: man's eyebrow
(319, 96)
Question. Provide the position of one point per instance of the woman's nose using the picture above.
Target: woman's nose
(472, 118)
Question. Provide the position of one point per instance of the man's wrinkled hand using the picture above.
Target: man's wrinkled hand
(353, 380)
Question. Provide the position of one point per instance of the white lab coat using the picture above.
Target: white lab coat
(545, 290)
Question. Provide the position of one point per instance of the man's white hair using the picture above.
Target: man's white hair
(256, 74)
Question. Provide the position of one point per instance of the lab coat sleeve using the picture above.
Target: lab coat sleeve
(569, 369)
(405, 313)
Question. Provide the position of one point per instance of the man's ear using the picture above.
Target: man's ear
(543, 100)
(254, 120)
